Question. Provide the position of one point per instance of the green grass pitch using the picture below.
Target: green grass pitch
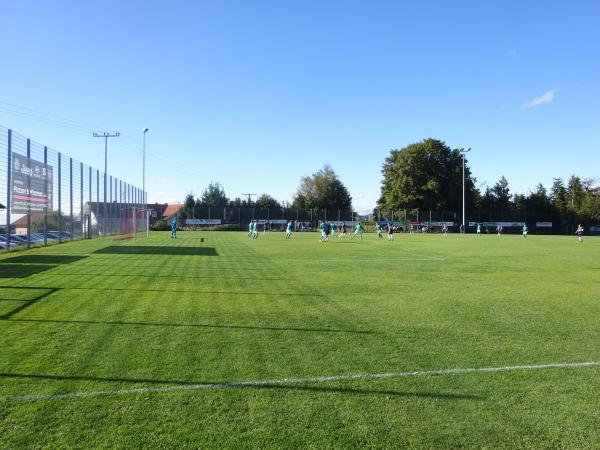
(133, 327)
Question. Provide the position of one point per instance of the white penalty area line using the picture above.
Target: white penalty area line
(293, 381)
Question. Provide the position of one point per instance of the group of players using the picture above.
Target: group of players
(328, 230)
(253, 229)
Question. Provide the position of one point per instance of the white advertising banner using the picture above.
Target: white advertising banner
(203, 221)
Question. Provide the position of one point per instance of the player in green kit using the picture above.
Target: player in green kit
(323, 228)
(255, 232)
(250, 228)
(358, 229)
(378, 228)
(525, 231)
(332, 229)
(288, 230)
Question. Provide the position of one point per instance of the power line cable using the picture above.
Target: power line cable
(83, 127)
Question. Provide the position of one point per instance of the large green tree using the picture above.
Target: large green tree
(575, 193)
(266, 201)
(322, 190)
(559, 196)
(187, 210)
(537, 201)
(426, 175)
(214, 195)
(501, 194)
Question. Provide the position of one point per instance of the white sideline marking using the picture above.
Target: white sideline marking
(284, 381)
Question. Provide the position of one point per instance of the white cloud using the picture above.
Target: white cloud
(546, 97)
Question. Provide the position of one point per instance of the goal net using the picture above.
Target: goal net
(133, 223)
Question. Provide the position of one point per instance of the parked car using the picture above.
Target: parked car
(18, 239)
(62, 235)
(3, 243)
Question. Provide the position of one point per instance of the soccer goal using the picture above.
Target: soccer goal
(134, 222)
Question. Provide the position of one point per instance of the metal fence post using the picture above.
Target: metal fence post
(110, 212)
(116, 208)
(71, 195)
(98, 201)
(59, 218)
(81, 198)
(8, 189)
(46, 194)
(121, 204)
(104, 202)
(89, 223)
(29, 194)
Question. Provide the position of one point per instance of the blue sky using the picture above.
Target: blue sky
(256, 94)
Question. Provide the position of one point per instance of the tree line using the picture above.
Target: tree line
(321, 190)
(426, 175)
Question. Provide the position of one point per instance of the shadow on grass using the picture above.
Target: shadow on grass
(42, 259)
(28, 302)
(193, 325)
(182, 291)
(242, 385)
(157, 250)
(22, 270)
(345, 390)
(122, 275)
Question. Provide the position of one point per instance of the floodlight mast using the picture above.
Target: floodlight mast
(463, 151)
(105, 135)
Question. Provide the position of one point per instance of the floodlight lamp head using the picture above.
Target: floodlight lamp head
(145, 130)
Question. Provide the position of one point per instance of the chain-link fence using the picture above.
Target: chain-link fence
(47, 197)
(236, 218)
